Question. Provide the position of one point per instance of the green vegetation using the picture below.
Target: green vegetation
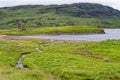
(79, 14)
(55, 30)
(60, 60)
(9, 54)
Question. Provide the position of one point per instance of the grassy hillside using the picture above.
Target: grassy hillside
(60, 60)
(55, 30)
(79, 14)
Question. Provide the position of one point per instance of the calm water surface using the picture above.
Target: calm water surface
(110, 34)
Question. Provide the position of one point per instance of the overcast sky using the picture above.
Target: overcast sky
(3, 3)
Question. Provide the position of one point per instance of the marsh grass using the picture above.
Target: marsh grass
(57, 62)
(55, 30)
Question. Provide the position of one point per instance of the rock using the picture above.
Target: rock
(37, 49)
(20, 66)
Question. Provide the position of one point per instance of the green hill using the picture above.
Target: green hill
(78, 14)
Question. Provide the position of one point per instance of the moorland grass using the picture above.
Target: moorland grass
(61, 61)
(55, 30)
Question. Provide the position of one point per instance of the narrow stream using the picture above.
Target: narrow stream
(19, 63)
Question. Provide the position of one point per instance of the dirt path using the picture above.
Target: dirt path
(2, 36)
(14, 38)
(10, 37)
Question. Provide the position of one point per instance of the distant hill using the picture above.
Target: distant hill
(78, 14)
